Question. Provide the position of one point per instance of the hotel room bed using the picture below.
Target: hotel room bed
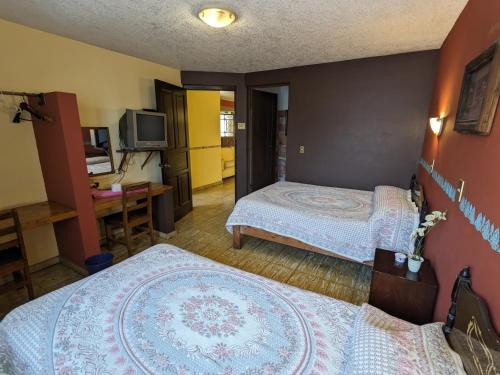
(98, 164)
(340, 222)
(167, 311)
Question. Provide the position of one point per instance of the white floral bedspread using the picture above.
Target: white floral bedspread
(351, 223)
(166, 311)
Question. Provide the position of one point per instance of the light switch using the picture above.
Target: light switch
(460, 189)
(242, 126)
(301, 149)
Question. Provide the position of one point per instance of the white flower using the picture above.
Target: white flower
(421, 232)
(430, 217)
(439, 215)
(429, 224)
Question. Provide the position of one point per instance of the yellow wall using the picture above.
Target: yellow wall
(228, 159)
(204, 137)
(105, 83)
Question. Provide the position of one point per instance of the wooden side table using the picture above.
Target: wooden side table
(401, 293)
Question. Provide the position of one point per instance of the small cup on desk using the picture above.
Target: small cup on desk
(400, 258)
(116, 187)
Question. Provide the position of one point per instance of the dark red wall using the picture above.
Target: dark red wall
(362, 121)
(473, 158)
(62, 159)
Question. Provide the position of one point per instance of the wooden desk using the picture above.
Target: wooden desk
(163, 209)
(38, 214)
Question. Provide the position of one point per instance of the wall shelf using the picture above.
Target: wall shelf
(126, 151)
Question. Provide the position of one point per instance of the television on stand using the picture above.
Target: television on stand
(143, 130)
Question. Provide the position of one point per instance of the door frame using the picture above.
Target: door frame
(232, 88)
(250, 124)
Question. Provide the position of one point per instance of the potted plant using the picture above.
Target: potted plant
(415, 259)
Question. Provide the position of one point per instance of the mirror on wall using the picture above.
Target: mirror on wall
(97, 145)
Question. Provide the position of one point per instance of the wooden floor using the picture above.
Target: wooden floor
(203, 232)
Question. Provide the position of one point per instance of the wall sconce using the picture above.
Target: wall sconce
(436, 124)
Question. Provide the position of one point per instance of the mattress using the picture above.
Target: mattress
(351, 223)
(167, 311)
(104, 167)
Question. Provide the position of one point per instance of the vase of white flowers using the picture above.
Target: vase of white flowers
(415, 259)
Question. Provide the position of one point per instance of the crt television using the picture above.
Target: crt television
(143, 129)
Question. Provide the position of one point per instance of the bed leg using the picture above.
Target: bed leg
(236, 237)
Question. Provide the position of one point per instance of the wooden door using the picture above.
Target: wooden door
(263, 112)
(172, 101)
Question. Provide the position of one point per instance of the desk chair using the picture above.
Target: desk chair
(13, 254)
(136, 217)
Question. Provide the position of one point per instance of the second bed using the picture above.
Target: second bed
(339, 222)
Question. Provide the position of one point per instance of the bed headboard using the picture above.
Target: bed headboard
(417, 195)
(469, 331)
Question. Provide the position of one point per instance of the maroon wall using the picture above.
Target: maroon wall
(473, 158)
(361, 121)
(62, 159)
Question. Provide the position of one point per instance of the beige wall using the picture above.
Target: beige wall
(204, 137)
(105, 83)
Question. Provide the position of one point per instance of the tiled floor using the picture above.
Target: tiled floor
(203, 232)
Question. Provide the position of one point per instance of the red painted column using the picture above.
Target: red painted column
(62, 159)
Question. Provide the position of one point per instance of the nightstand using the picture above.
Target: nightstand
(401, 293)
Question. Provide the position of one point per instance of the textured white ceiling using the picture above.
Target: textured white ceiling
(268, 34)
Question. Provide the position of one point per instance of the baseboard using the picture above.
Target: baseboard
(45, 264)
(207, 186)
(165, 236)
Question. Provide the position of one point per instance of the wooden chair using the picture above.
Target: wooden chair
(13, 260)
(136, 217)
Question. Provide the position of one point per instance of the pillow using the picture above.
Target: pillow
(382, 344)
(393, 219)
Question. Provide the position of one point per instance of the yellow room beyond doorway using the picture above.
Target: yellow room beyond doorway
(205, 151)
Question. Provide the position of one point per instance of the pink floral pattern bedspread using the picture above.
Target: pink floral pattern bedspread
(166, 311)
(351, 223)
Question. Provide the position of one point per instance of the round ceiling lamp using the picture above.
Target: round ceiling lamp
(217, 17)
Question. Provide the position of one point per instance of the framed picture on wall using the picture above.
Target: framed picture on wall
(480, 92)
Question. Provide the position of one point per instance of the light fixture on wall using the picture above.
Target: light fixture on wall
(436, 124)
(217, 17)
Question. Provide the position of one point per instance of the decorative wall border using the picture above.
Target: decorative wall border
(489, 231)
(448, 188)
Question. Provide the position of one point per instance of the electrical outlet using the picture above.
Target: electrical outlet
(242, 126)
(301, 149)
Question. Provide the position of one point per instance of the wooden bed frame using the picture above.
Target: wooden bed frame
(469, 330)
(417, 193)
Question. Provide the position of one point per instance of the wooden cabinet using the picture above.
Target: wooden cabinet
(401, 293)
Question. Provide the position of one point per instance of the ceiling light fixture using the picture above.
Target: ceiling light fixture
(217, 17)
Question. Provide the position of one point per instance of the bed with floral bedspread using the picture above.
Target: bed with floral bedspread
(167, 311)
(347, 222)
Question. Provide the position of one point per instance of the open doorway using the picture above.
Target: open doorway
(268, 115)
(211, 146)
